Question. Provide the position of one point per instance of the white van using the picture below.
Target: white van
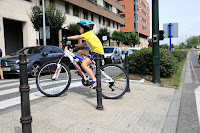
(112, 54)
(133, 49)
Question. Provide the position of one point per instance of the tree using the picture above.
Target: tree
(150, 43)
(131, 39)
(118, 36)
(164, 46)
(181, 46)
(74, 29)
(192, 42)
(53, 18)
(103, 32)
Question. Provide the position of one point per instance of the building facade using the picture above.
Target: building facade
(16, 29)
(136, 15)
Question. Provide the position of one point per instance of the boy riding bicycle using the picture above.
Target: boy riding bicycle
(96, 47)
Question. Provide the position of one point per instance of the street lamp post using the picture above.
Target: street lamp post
(44, 24)
(36, 10)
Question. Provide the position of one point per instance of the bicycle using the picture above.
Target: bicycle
(113, 77)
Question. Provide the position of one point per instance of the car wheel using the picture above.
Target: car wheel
(34, 69)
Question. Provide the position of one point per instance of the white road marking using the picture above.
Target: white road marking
(197, 96)
(35, 95)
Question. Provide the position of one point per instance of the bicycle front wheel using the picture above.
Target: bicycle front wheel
(115, 88)
(53, 87)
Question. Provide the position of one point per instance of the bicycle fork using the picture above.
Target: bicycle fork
(57, 72)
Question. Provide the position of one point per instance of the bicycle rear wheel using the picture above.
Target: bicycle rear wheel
(53, 87)
(117, 88)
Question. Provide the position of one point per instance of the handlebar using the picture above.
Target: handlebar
(68, 45)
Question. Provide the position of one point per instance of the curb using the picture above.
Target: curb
(170, 124)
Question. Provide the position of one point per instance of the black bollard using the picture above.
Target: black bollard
(26, 118)
(127, 71)
(98, 87)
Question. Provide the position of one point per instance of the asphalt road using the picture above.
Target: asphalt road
(188, 121)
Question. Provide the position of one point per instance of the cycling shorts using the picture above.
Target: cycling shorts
(93, 56)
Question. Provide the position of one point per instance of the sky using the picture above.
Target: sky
(184, 12)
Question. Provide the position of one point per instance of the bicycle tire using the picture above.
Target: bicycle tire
(53, 87)
(118, 88)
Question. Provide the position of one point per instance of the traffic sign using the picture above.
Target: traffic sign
(174, 30)
(104, 38)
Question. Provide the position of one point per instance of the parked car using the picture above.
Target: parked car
(36, 56)
(126, 51)
(112, 54)
(133, 49)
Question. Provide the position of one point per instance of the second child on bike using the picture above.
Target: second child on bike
(96, 46)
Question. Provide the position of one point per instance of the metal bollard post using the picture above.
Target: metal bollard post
(26, 118)
(127, 71)
(98, 87)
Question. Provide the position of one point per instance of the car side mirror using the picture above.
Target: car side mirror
(115, 52)
(45, 54)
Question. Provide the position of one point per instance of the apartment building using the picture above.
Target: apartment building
(16, 29)
(136, 15)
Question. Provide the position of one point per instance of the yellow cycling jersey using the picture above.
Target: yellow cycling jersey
(94, 42)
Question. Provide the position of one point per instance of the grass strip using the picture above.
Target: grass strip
(175, 79)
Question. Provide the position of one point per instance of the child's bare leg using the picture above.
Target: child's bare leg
(80, 53)
(1, 73)
(84, 65)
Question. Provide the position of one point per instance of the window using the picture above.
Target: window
(113, 24)
(122, 25)
(144, 28)
(52, 1)
(67, 7)
(108, 22)
(48, 50)
(29, 0)
(92, 16)
(122, 15)
(143, 4)
(57, 50)
(103, 21)
(107, 6)
(117, 26)
(76, 11)
(40, 2)
(85, 14)
(94, 1)
(99, 19)
(141, 18)
(143, 12)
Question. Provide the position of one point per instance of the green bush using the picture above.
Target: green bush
(141, 62)
(180, 54)
(168, 64)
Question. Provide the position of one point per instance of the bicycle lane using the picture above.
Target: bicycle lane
(188, 120)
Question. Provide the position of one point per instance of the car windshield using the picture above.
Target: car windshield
(124, 51)
(108, 50)
(30, 50)
(130, 51)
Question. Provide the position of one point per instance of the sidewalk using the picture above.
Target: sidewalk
(143, 110)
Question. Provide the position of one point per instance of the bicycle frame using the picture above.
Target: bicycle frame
(71, 56)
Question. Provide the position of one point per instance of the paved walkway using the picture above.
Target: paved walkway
(143, 110)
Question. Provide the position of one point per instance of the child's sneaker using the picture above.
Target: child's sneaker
(94, 84)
